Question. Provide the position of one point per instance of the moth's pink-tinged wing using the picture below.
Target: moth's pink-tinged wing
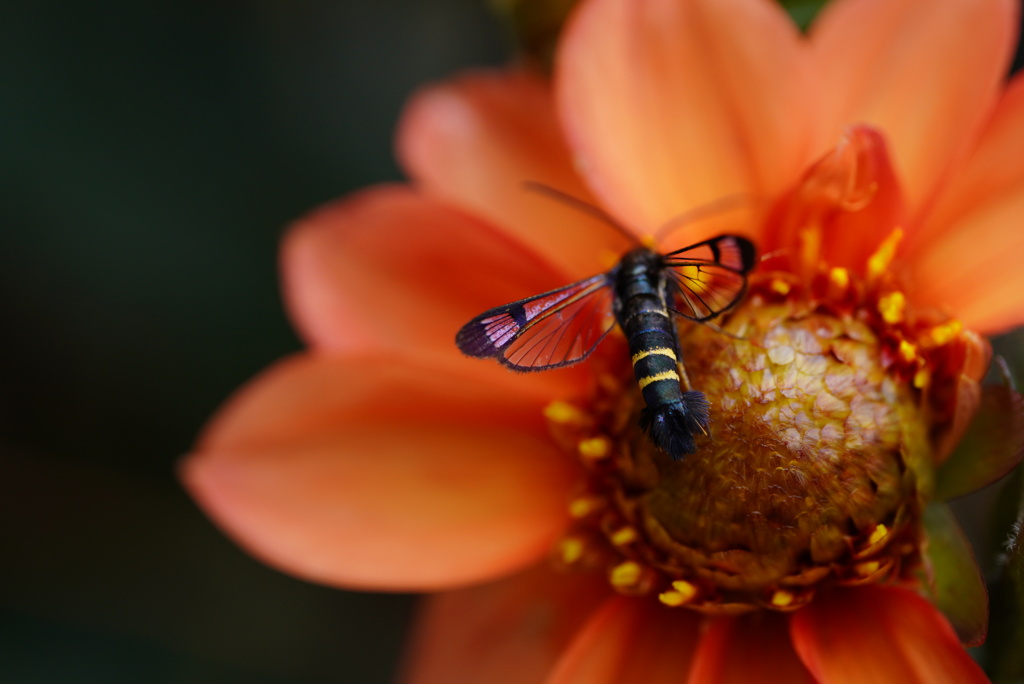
(551, 330)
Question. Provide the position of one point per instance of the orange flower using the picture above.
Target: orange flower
(881, 155)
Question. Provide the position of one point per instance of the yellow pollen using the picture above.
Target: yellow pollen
(563, 412)
(810, 247)
(908, 352)
(878, 534)
(892, 306)
(685, 588)
(584, 506)
(945, 333)
(625, 574)
(867, 568)
(571, 550)
(839, 277)
(781, 287)
(880, 261)
(594, 448)
(667, 375)
(921, 378)
(782, 598)
(660, 351)
(672, 598)
(623, 536)
(680, 593)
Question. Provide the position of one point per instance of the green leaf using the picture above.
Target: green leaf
(954, 580)
(537, 26)
(992, 446)
(1006, 658)
(803, 12)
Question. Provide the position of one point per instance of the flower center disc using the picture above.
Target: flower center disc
(810, 473)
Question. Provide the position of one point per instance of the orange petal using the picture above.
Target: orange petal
(384, 473)
(672, 104)
(389, 268)
(969, 356)
(507, 632)
(630, 640)
(843, 208)
(973, 272)
(475, 141)
(993, 171)
(965, 252)
(749, 648)
(926, 73)
(880, 634)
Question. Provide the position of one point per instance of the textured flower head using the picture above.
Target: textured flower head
(875, 162)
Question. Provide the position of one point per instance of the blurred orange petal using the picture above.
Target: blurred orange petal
(671, 105)
(994, 170)
(749, 648)
(630, 640)
(384, 473)
(389, 268)
(973, 272)
(507, 632)
(476, 140)
(926, 73)
(880, 634)
(964, 254)
(851, 195)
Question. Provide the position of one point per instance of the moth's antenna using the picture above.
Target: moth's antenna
(581, 205)
(781, 251)
(704, 211)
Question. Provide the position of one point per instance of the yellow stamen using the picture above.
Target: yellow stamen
(921, 378)
(878, 534)
(571, 550)
(908, 352)
(945, 333)
(584, 506)
(594, 448)
(623, 536)
(880, 261)
(625, 574)
(671, 598)
(782, 598)
(810, 248)
(685, 588)
(680, 593)
(840, 278)
(867, 568)
(780, 286)
(892, 306)
(564, 413)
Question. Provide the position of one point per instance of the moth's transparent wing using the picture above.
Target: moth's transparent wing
(550, 330)
(709, 277)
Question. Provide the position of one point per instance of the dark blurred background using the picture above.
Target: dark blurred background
(152, 154)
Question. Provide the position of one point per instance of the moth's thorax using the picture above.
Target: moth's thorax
(639, 273)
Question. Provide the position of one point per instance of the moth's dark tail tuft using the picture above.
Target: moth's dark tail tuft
(672, 426)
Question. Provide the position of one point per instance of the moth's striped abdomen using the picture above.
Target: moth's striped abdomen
(672, 417)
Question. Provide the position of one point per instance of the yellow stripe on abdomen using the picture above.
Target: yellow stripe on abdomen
(666, 375)
(660, 351)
